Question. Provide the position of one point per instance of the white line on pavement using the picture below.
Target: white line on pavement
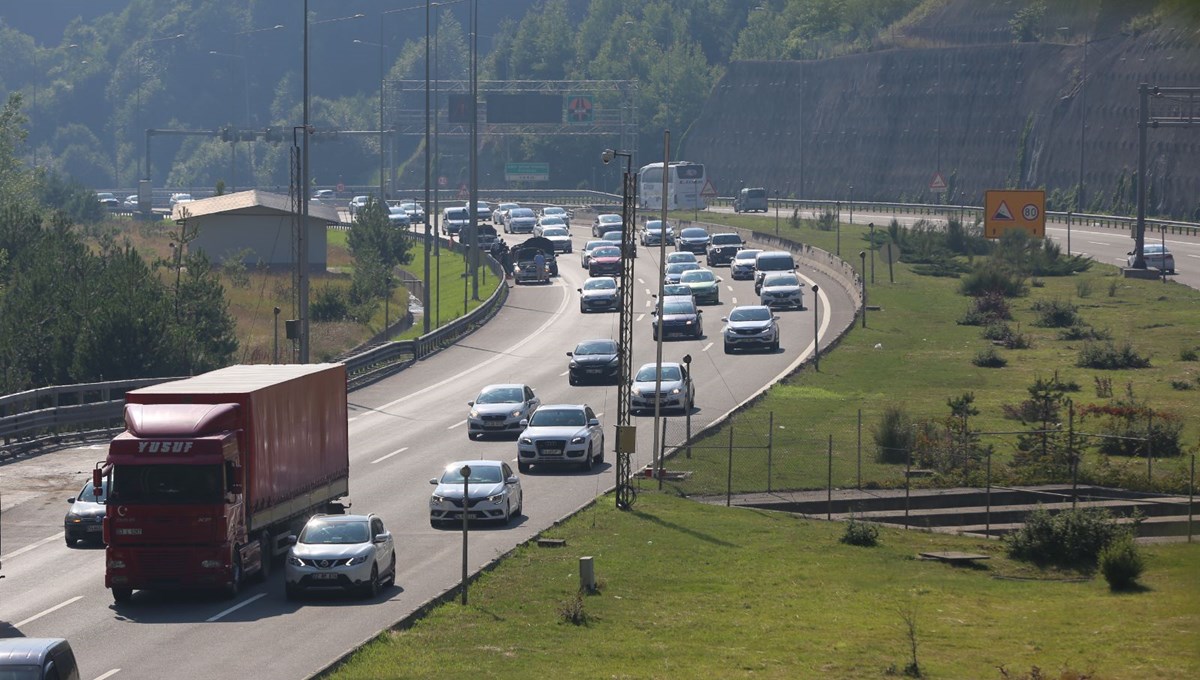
(234, 608)
(641, 316)
(383, 458)
(706, 347)
(51, 610)
(109, 674)
(458, 424)
(31, 546)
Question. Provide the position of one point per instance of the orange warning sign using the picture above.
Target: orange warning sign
(1004, 210)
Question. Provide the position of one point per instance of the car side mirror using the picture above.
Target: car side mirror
(524, 422)
(570, 354)
(594, 422)
(579, 289)
(775, 317)
(70, 500)
(291, 539)
(433, 480)
(725, 319)
(511, 480)
(382, 537)
(470, 403)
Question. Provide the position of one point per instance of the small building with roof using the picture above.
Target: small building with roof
(259, 224)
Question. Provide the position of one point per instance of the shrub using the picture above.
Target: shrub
(1179, 384)
(989, 358)
(999, 332)
(894, 436)
(1108, 356)
(992, 278)
(1070, 538)
(1083, 287)
(1121, 563)
(1113, 287)
(571, 611)
(1056, 314)
(1082, 331)
(1188, 354)
(986, 309)
(860, 533)
(329, 304)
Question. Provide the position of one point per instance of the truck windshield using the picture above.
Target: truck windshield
(166, 484)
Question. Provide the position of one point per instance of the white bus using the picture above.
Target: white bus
(685, 182)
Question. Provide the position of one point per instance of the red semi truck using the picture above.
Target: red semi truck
(213, 472)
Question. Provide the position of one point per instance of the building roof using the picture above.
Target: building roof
(253, 202)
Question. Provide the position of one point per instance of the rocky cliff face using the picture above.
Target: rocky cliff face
(878, 126)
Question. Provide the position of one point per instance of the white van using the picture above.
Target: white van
(771, 262)
(454, 220)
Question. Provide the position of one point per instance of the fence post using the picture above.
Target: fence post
(770, 441)
(1149, 447)
(987, 529)
(907, 482)
(859, 484)
(1071, 452)
(829, 481)
(662, 453)
(729, 471)
(689, 434)
(1191, 496)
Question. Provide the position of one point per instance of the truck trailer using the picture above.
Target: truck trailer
(213, 472)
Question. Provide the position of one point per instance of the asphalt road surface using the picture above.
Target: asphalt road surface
(402, 431)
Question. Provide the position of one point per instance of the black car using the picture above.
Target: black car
(723, 247)
(680, 317)
(594, 361)
(693, 240)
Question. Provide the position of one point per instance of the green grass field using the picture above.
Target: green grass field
(696, 591)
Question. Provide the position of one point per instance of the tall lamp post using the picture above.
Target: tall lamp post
(625, 329)
(141, 45)
(382, 48)
(245, 119)
(816, 327)
(662, 260)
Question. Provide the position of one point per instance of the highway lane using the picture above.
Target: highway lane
(403, 429)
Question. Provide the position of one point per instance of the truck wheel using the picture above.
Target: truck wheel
(235, 584)
(121, 595)
(264, 545)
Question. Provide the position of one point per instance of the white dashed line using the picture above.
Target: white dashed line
(641, 316)
(44, 612)
(109, 674)
(234, 608)
(458, 424)
(706, 347)
(383, 458)
(31, 546)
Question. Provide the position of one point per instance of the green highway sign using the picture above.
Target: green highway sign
(526, 172)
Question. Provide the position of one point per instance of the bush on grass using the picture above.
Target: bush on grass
(860, 533)
(1121, 563)
(989, 358)
(993, 278)
(894, 436)
(1082, 331)
(1055, 314)
(986, 309)
(1069, 538)
(1107, 356)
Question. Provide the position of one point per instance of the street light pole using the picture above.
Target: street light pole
(382, 172)
(428, 157)
(658, 351)
(624, 495)
(137, 61)
(816, 327)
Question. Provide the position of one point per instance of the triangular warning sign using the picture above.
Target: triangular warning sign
(938, 183)
(1003, 213)
(708, 191)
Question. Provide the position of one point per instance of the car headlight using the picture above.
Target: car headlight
(515, 413)
(527, 440)
(615, 360)
(676, 390)
(437, 500)
(357, 559)
(474, 413)
(578, 440)
(72, 517)
(688, 323)
(295, 561)
(574, 365)
(495, 498)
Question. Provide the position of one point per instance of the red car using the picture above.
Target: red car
(605, 261)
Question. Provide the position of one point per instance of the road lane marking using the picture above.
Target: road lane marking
(566, 372)
(44, 612)
(1191, 255)
(733, 301)
(1098, 243)
(705, 348)
(458, 424)
(641, 316)
(108, 674)
(234, 608)
(393, 453)
(56, 537)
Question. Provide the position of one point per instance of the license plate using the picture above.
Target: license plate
(551, 452)
(593, 371)
(96, 528)
(325, 577)
(493, 426)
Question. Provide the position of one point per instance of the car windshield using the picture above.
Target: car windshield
(693, 232)
(553, 210)
(605, 219)
(501, 395)
(676, 289)
(680, 267)
(750, 314)
(747, 255)
(1150, 249)
(410, 206)
(681, 257)
(460, 214)
(592, 347)
(774, 263)
(726, 239)
(520, 212)
(554, 231)
(335, 532)
(600, 284)
(480, 474)
(654, 225)
(508, 206)
(606, 251)
(697, 276)
(591, 245)
(781, 280)
(88, 493)
(678, 307)
(550, 219)
(557, 417)
(646, 373)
